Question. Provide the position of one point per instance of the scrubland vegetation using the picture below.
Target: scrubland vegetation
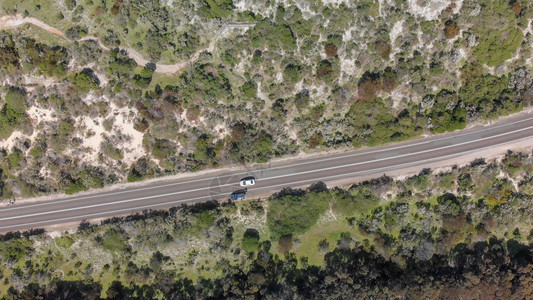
(303, 76)
(461, 230)
(299, 76)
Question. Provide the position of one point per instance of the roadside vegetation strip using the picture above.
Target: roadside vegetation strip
(98, 214)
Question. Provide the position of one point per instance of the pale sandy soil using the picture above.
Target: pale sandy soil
(395, 32)
(93, 135)
(134, 149)
(334, 2)
(30, 80)
(430, 11)
(10, 22)
(39, 117)
(12, 140)
(458, 6)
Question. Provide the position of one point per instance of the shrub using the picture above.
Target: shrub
(290, 214)
(250, 241)
(205, 219)
(16, 99)
(114, 240)
(451, 29)
(111, 151)
(64, 242)
(285, 244)
(76, 32)
(516, 7)
(315, 140)
(323, 246)
(331, 50)
(86, 81)
(249, 89)
(143, 79)
(54, 62)
(141, 169)
(371, 84)
(324, 70)
(75, 186)
(216, 9)
(274, 36)
(13, 113)
(498, 47)
(497, 29)
(292, 73)
(14, 158)
(383, 49)
(205, 151)
(301, 100)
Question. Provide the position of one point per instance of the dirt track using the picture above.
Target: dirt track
(12, 22)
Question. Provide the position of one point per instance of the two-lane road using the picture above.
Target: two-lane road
(199, 188)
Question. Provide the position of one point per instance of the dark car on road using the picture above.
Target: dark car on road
(238, 195)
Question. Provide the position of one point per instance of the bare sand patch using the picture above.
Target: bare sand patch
(430, 11)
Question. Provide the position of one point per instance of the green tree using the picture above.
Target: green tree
(290, 214)
(205, 150)
(249, 89)
(250, 241)
(292, 73)
(86, 81)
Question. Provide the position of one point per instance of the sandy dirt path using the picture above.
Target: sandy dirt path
(12, 22)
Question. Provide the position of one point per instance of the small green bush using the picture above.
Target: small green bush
(292, 73)
(85, 82)
(76, 186)
(64, 242)
(250, 241)
(292, 214)
(205, 219)
(114, 240)
(249, 89)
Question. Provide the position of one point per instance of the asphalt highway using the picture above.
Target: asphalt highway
(288, 173)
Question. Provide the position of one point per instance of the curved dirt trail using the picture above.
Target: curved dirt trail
(12, 22)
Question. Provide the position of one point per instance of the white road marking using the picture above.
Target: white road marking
(268, 178)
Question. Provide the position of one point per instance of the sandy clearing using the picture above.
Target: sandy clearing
(94, 134)
(134, 149)
(95, 128)
(12, 140)
(430, 11)
(39, 115)
(30, 80)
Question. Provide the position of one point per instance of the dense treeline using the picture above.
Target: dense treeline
(487, 269)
